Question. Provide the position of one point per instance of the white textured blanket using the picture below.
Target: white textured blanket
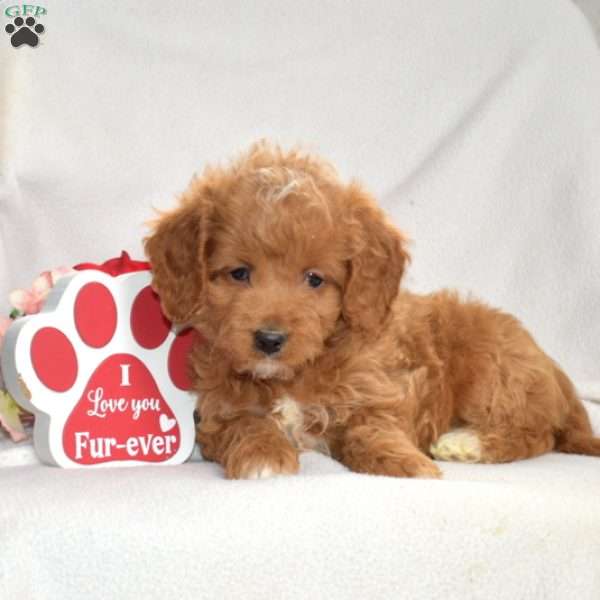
(475, 122)
(525, 530)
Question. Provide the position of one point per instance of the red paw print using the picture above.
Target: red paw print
(105, 372)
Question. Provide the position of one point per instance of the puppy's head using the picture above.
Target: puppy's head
(272, 255)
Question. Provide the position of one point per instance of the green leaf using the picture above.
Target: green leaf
(9, 415)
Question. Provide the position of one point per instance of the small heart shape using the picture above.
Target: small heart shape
(166, 423)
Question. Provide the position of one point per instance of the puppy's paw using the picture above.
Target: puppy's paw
(413, 464)
(378, 450)
(460, 445)
(263, 463)
(409, 466)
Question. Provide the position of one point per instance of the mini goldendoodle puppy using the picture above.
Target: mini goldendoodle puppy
(293, 279)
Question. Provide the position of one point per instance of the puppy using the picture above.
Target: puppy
(293, 278)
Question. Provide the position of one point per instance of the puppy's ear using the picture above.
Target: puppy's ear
(176, 251)
(378, 258)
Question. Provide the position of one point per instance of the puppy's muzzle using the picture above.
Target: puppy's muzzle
(269, 341)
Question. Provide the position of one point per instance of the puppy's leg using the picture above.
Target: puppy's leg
(577, 436)
(248, 447)
(494, 445)
(380, 447)
(511, 414)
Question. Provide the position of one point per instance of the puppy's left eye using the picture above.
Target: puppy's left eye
(313, 279)
(240, 274)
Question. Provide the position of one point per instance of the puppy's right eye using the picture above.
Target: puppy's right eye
(241, 274)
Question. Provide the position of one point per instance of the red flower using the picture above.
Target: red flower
(116, 266)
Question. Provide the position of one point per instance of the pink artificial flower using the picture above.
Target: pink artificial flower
(5, 323)
(59, 273)
(31, 301)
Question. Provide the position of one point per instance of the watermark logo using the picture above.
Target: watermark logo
(24, 29)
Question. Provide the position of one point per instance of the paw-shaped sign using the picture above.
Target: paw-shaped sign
(105, 373)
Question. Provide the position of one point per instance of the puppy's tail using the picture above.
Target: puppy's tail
(577, 436)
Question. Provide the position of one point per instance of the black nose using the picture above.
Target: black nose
(269, 341)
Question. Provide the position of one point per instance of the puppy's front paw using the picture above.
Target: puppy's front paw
(262, 463)
(401, 464)
(383, 451)
(415, 465)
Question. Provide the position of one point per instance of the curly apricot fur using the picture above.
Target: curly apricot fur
(377, 374)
